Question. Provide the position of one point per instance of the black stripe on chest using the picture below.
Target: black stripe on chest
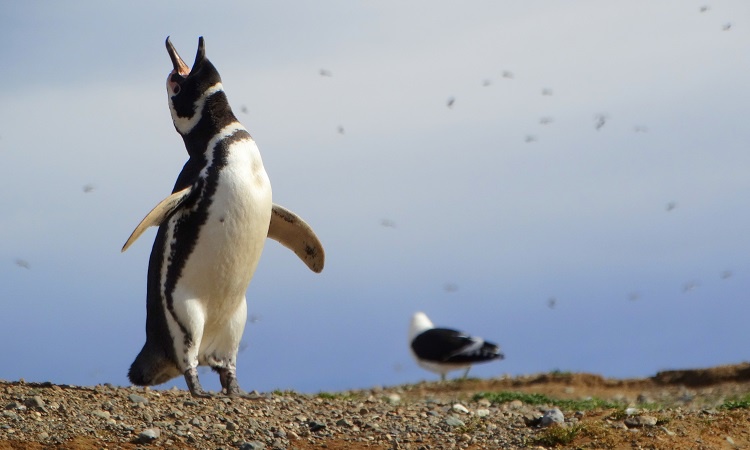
(186, 224)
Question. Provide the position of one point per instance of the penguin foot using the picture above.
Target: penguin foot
(228, 379)
(196, 390)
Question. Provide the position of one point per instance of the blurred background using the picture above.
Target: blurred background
(568, 180)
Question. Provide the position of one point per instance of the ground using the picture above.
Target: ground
(684, 409)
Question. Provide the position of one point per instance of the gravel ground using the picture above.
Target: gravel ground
(676, 413)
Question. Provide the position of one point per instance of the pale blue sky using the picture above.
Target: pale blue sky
(576, 214)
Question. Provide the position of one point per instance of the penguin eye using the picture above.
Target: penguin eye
(176, 89)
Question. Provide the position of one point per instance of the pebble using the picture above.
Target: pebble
(101, 414)
(35, 402)
(551, 416)
(316, 426)
(252, 445)
(135, 398)
(640, 421)
(460, 408)
(454, 421)
(669, 433)
(482, 412)
(149, 435)
(393, 399)
(344, 423)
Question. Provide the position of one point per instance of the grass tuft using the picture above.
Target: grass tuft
(541, 399)
(557, 435)
(737, 403)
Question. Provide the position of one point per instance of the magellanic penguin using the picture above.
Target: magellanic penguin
(442, 350)
(211, 234)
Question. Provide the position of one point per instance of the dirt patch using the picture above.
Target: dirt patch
(672, 409)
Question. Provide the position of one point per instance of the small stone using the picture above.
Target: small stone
(231, 426)
(135, 398)
(252, 445)
(149, 435)
(454, 421)
(101, 414)
(631, 411)
(483, 402)
(34, 402)
(316, 426)
(483, 412)
(393, 399)
(459, 408)
(344, 423)
(669, 433)
(552, 416)
(640, 421)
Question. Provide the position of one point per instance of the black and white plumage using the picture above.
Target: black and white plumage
(212, 230)
(442, 350)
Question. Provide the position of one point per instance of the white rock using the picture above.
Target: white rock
(460, 408)
(551, 416)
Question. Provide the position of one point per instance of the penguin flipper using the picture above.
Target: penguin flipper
(295, 234)
(158, 214)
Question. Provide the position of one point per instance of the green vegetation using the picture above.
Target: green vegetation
(283, 392)
(737, 403)
(336, 395)
(541, 399)
(556, 435)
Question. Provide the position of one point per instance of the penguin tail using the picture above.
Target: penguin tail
(152, 367)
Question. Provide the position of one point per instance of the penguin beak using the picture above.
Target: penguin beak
(179, 65)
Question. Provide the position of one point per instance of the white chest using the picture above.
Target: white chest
(230, 242)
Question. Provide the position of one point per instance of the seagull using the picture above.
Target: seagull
(450, 102)
(442, 350)
(601, 119)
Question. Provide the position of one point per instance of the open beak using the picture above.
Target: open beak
(179, 65)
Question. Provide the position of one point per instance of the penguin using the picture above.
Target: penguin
(442, 350)
(212, 230)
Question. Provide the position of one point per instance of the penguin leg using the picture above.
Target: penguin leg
(190, 327)
(222, 351)
(228, 379)
(196, 390)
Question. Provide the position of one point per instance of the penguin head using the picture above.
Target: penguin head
(189, 88)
